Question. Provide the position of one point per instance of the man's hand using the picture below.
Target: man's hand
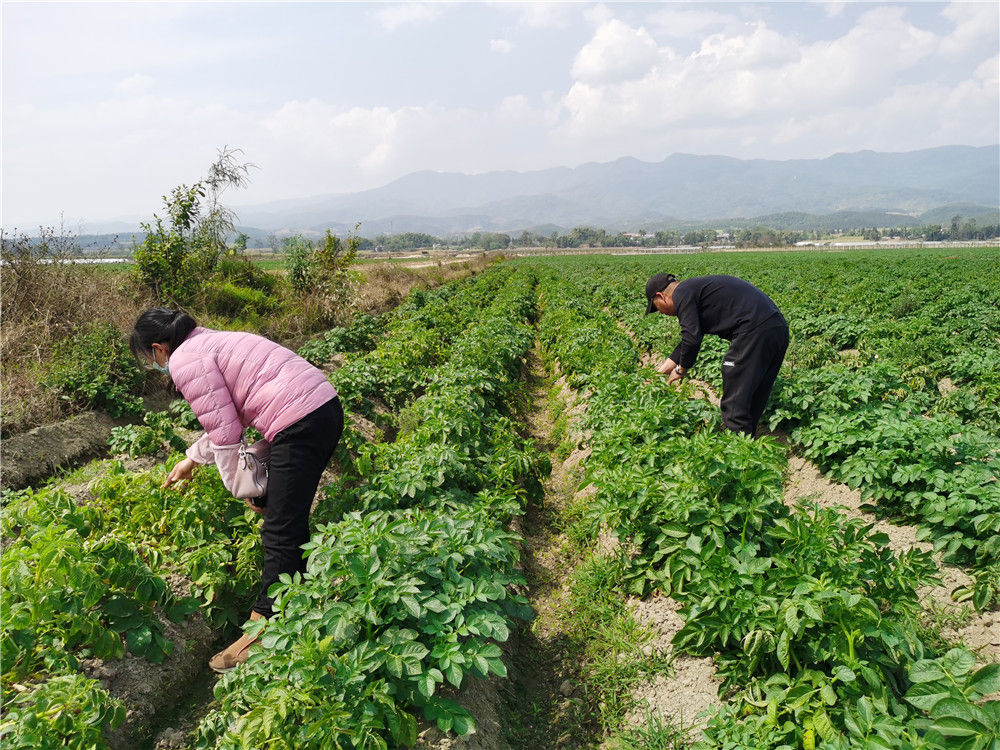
(667, 367)
(672, 370)
(182, 471)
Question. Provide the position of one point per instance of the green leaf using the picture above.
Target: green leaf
(958, 662)
(782, 650)
(844, 674)
(926, 670)
(139, 640)
(828, 694)
(426, 685)
(986, 680)
(925, 695)
(394, 665)
(952, 726)
(412, 605)
(464, 725)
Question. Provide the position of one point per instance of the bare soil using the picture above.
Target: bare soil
(682, 698)
(543, 709)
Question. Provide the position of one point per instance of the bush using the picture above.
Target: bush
(143, 440)
(227, 298)
(95, 368)
(298, 263)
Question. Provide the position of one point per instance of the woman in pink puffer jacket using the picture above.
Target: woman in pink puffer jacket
(235, 380)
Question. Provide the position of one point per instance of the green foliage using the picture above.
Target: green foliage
(71, 587)
(811, 619)
(143, 440)
(66, 711)
(200, 531)
(177, 258)
(411, 580)
(298, 252)
(360, 336)
(94, 368)
(227, 298)
(182, 413)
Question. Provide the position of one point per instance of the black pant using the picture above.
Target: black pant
(748, 372)
(299, 454)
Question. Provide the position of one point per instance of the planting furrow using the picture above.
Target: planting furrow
(813, 622)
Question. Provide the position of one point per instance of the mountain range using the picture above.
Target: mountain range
(632, 194)
(683, 191)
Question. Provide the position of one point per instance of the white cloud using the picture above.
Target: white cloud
(680, 23)
(134, 83)
(833, 9)
(617, 52)
(975, 24)
(394, 16)
(543, 15)
(625, 83)
(660, 78)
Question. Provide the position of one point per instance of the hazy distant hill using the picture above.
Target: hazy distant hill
(630, 193)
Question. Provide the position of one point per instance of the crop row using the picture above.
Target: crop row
(812, 620)
(85, 579)
(411, 581)
(874, 419)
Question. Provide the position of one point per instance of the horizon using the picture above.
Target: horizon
(132, 100)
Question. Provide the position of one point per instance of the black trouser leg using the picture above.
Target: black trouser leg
(748, 373)
(299, 454)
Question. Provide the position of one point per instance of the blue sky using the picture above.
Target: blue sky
(108, 106)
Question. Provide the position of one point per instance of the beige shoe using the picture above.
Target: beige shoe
(236, 653)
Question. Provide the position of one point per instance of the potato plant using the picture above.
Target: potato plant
(813, 622)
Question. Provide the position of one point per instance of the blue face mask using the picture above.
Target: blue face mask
(165, 369)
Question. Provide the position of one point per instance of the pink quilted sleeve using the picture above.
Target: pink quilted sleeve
(201, 451)
(203, 386)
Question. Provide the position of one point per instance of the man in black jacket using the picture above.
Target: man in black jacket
(739, 312)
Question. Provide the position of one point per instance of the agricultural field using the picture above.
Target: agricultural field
(528, 539)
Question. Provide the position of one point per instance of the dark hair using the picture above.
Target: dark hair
(158, 325)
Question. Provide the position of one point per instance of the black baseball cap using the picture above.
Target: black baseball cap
(657, 283)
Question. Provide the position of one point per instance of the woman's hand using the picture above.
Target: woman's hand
(676, 376)
(183, 470)
(256, 509)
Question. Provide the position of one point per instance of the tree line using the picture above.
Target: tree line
(591, 237)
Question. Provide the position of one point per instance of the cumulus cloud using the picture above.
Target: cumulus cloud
(617, 52)
(975, 24)
(500, 45)
(626, 82)
(394, 16)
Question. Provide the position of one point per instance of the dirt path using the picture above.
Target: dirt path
(543, 711)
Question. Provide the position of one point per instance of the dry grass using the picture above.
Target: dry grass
(387, 284)
(42, 305)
